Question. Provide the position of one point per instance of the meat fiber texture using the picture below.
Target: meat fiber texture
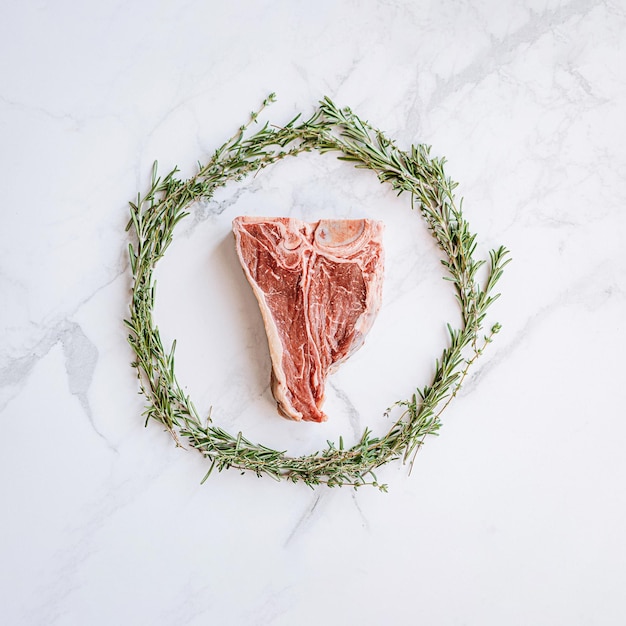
(319, 288)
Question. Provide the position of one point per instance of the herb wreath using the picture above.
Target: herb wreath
(154, 216)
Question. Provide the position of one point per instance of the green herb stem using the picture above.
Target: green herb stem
(154, 217)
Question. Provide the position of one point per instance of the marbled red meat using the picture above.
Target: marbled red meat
(319, 289)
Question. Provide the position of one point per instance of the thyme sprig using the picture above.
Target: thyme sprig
(154, 216)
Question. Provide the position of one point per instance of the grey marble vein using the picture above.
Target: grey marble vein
(304, 518)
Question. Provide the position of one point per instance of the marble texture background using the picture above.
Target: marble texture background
(514, 515)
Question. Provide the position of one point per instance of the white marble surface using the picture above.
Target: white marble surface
(514, 515)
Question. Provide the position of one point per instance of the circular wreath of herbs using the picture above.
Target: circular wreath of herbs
(155, 215)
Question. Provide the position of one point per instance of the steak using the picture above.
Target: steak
(319, 287)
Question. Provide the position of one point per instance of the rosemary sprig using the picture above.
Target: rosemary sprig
(154, 216)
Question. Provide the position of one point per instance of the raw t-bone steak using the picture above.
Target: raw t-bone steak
(319, 288)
